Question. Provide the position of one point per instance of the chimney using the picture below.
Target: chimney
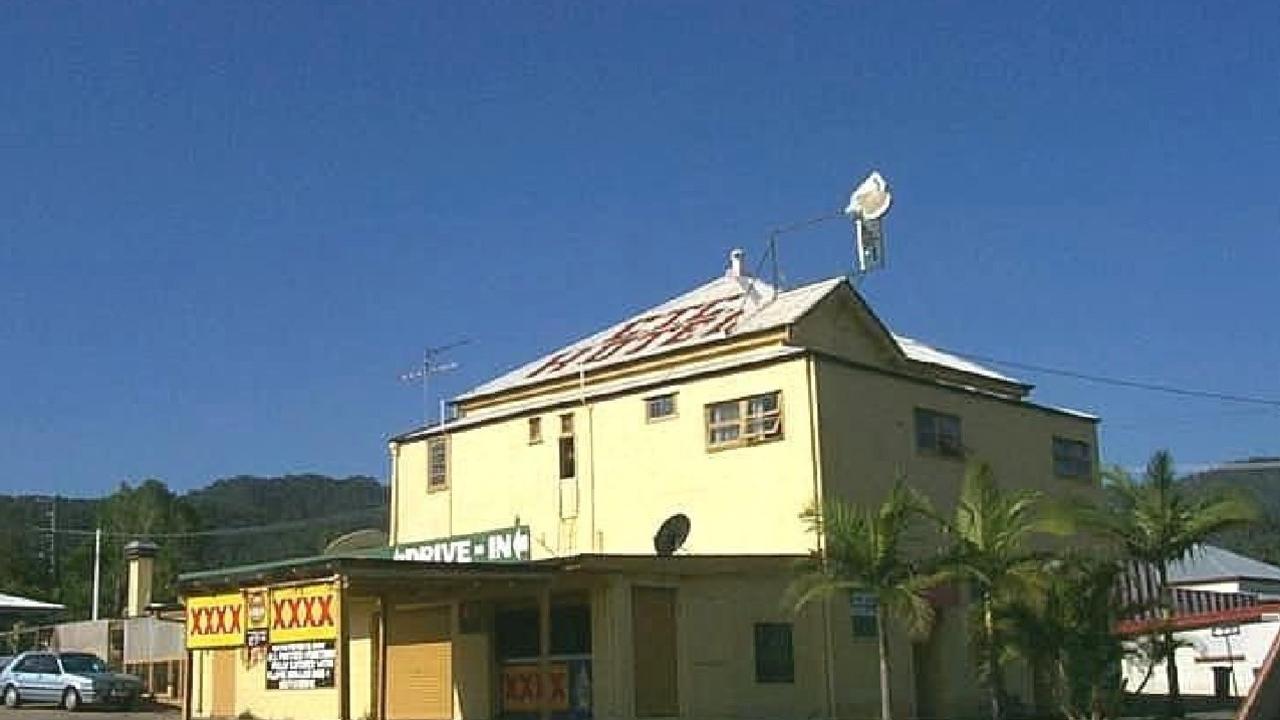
(736, 257)
(140, 556)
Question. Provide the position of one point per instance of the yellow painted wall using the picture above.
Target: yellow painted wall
(362, 660)
(868, 439)
(741, 500)
(716, 616)
(253, 696)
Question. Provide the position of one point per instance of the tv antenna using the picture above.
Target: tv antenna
(431, 365)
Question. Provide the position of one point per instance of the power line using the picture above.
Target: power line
(1124, 382)
(239, 530)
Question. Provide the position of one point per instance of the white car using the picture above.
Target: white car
(69, 679)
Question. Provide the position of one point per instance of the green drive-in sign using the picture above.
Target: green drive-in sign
(494, 546)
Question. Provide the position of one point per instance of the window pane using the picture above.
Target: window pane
(535, 430)
(762, 404)
(724, 434)
(723, 412)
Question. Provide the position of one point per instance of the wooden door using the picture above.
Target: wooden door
(419, 664)
(653, 628)
(224, 683)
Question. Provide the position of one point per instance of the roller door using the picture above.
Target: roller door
(419, 664)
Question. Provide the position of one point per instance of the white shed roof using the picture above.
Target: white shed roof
(14, 603)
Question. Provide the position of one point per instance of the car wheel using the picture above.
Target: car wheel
(71, 700)
(11, 699)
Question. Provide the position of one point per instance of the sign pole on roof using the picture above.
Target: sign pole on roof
(867, 207)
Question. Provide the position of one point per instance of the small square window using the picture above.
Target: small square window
(938, 433)
(535, 430)
(660, 407)
(437, 463)
(566, 424)
(775, 654)
(1072, 458)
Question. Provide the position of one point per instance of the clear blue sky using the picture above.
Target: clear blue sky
(226, 228)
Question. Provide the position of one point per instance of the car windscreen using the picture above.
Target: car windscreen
(77, 663)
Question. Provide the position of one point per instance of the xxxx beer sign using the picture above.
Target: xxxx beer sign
(215, 621)
(303, 613)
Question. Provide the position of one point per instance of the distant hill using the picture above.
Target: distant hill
(215, 526)
(1260, 479)
(353, 503)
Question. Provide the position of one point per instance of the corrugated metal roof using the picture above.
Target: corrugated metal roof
(13, 603)
(1210, 562)
(722, 308)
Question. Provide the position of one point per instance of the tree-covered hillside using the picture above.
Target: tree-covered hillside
(233, 521)
(1260, 479)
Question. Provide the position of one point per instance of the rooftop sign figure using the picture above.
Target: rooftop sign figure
(656, 330)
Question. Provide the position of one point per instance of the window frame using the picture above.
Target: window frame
(433, 442)
(649, 417)
(937, 449)
(764, 674)
(535, 430)
(742, 420)
(1059, 441)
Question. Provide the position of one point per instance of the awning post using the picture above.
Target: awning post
(544, 653)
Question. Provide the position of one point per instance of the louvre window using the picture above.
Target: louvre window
(938, 433)
(750, 420)
(437, 463)
(1072, 458)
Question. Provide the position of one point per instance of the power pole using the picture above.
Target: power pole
(53, 541)
(97, 569)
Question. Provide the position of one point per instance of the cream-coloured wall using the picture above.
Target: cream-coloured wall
(741, 500)
(868, 437)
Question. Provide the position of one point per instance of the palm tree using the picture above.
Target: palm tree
(862, 550)
(1067, 635)
(988, 549)
(1156, 522)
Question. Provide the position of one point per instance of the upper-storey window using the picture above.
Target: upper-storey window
(438, 463)
(1072, 458)
(938, 433)
(750, 420)
(568, 448)
(535, 430)
(660, 407)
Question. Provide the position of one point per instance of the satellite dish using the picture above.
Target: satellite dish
(356, 540)
(671, 534)
(871, 199)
